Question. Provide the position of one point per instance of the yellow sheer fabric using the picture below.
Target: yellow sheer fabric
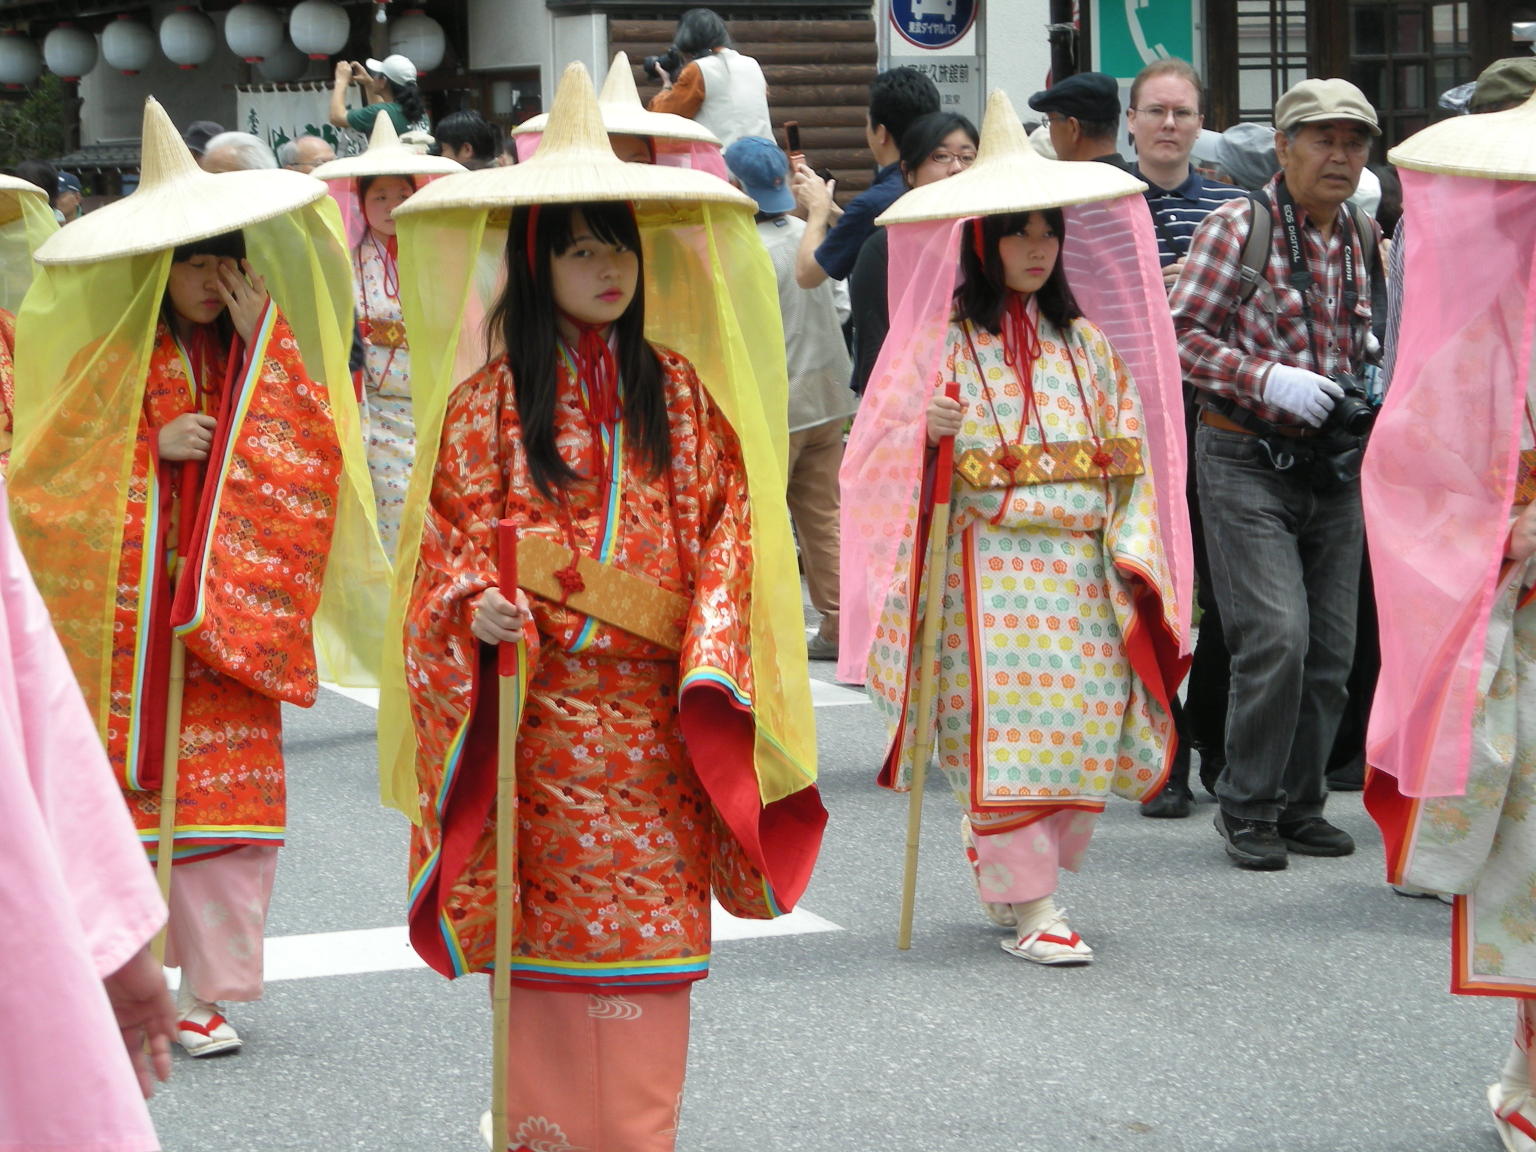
(711, 296)
(25, 222)
(84, 336)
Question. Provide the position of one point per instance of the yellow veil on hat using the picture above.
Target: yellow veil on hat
(85, 334)
(711, 296)
(25, 222)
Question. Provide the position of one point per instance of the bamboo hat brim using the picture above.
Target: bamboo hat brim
(386, 155)
(573, 164)
(176, 203)
(625, 115)
(1484, 146)
(12, 188)
(1010, 176)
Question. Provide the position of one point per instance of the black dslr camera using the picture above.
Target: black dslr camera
(1353, 414)
(672, 60)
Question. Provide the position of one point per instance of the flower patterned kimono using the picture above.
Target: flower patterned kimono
(391, 426)
(1054, 677)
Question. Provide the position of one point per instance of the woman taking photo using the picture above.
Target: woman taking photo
(1058, 627)
(368, 188)
(936, 147)
(664, 749)
(388, 86)
(164, 427)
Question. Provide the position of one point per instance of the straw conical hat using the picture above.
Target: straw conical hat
(625, 115)
(386, 156)
(1010, 176)
(573, 164)
(11, 188)
(1485, 146)
(176, 203)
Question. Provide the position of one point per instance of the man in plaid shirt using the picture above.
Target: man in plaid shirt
(1280, 492)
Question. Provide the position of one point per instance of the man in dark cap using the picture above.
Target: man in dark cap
(1083, 112)
(197, 135)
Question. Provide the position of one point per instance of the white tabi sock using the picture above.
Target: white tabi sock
(1033, 915)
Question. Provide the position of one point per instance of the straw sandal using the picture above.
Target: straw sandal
(1053, 944)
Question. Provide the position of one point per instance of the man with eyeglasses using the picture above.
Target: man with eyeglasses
(1082, 113)
(1278, 470)
(1164, 121)
(305, 153)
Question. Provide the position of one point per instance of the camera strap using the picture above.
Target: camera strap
(1303, 281)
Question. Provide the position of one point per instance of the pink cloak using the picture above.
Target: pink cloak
(77, 900)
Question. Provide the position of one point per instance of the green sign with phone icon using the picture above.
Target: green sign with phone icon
(1130, 34)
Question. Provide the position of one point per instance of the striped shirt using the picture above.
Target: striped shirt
(1177, 213)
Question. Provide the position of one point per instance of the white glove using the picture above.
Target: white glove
(1303, 394)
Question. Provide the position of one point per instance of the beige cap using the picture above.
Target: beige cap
(1011, 176)
(1507, 81)
(1312, 101)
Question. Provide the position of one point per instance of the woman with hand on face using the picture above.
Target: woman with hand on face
(368, 188)
(178, 469)
(935, 147)
(1057, 642)
(664, 751)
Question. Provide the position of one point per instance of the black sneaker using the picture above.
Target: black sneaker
(1252, 843)
(1172, 803)
(1314, 836)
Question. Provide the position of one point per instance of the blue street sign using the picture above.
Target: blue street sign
(933, 23)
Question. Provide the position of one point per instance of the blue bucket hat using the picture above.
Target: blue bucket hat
(762, 169)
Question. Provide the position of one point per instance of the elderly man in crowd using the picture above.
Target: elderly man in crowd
(236, 152)
(1281, 482)
(1164, 121)
(305, 153)
(1082, 113)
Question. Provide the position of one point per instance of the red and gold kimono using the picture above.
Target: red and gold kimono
(254, 559)
(636, 793)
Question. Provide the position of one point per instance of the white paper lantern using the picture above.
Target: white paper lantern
(69, 52)
(252, 31)
(418, 38)
(283, 65)
(319, 28)
(20, 61)
(127, 45)
(188, 38)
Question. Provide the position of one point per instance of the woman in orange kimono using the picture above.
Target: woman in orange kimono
(178, 471)
(637, 760)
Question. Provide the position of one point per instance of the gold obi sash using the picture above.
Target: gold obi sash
(1525, 486)
(384, 333)
(1050, 463)
(607, 593)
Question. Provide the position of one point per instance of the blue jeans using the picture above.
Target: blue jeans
(1285, 562)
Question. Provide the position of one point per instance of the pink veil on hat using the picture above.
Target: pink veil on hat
(1441, 469)
(1110, 258)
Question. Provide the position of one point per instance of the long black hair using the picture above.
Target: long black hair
(699, 32)
(524, 323)
(926, 133)
(983, 292)
(409, 97)
(226, 244)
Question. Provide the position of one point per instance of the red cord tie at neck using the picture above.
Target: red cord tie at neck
(598, 373)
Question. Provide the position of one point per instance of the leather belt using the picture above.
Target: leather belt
(1217, 420)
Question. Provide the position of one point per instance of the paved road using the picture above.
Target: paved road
(1301, 1011)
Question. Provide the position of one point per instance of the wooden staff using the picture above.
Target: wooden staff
(170, 761)
(925, 652)
(508, 720)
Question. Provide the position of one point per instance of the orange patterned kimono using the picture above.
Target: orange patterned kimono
(7, 386)
(636, 794)
(244, 601)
